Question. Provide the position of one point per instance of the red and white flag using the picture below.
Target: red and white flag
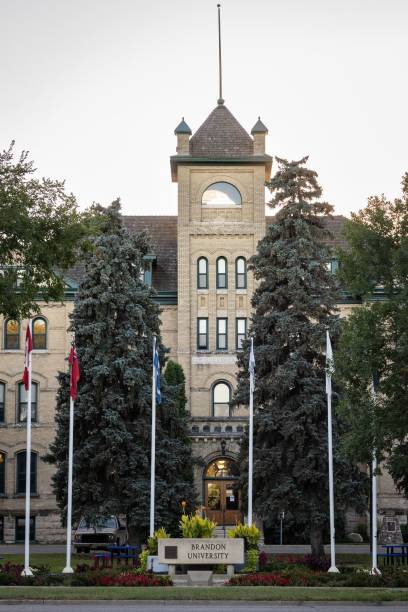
(27, 356)
(73, 361)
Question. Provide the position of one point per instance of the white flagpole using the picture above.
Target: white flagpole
(27, 571)
(251, 440)
(374, 568)
(153, 443)
(329, 357)
(68, 569)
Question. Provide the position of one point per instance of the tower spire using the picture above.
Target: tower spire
(220, 99)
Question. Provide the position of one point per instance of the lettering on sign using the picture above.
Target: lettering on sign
(201, 551)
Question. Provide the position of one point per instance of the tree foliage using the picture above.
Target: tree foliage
(41, 229)
(294, 303)
(114, 320)
(375, 337)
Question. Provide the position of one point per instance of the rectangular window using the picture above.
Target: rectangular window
(21, 473)
(2, 401)
(222, 334)
(241, 332)
(202, 334)
(2, 473)
(20, 528)
(22, 403)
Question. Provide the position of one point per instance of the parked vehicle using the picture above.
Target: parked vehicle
(100, 533)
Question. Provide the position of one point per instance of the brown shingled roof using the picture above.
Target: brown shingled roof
(163, 233)
(221, 136)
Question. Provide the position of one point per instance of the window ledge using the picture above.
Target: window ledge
(222, 291)
(43, 351)
(22, 495)
(12, 351)
(215, 206)
(241, 291)
(202, 291)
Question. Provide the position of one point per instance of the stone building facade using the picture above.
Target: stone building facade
(198, 268)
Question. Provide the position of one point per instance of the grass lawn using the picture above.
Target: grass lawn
(56, 562)
(205, 593)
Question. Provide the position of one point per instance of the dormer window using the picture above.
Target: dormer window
(221, 194)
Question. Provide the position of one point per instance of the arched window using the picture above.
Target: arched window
(2, 473)
(11, 335)
(21, 472)
(240, 273)
(221, 194)
(39, 332)
(22, 402)
(222, 468)
(2, 401)
(202, 273)
(221, 397)
(222, 273)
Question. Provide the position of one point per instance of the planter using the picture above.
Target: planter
(154, 565)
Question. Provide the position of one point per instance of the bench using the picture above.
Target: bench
(388, 558)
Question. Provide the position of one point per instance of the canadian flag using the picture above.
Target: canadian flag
(73, 361)
(27, 357)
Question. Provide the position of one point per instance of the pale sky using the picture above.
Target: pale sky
(94, 89)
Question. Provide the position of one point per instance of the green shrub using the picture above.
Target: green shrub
(152, 545)
(250, 534)
(251, 562)
(404, 531)
(143, 559)
(193, 526)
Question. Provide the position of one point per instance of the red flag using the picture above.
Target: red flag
(28, 349)
(73, 360)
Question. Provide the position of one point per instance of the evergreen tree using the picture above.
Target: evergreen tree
(294, 303)
(175, 378)
(114, 320)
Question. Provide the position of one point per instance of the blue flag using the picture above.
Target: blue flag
(156, 364)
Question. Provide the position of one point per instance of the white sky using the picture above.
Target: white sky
(95, 88)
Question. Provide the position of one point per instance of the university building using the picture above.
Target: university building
(199, 270)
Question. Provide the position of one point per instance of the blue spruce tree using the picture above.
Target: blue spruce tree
(114, 321)
(294, 303)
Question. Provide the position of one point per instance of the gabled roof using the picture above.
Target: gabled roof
(221, 136)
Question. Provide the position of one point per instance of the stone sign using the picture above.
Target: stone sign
(390, 531)
(201, 551)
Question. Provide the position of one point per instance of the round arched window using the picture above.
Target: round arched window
(221, 399)
(221, 194)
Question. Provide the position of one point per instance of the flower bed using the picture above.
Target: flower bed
(298, 576)
(10, 575)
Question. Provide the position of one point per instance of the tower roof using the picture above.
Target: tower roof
(221, 136)
(259, 128)
(182, 128)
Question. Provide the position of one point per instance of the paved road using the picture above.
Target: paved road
(194, 606)
(13, 549)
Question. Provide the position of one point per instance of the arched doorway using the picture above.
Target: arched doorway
(222, 497)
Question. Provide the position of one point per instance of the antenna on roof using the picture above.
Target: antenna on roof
(220, 99)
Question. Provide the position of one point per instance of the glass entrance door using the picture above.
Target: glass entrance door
(222, 502)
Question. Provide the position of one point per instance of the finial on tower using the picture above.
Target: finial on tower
(220, 99)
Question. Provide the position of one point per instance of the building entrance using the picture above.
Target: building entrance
(222, 496)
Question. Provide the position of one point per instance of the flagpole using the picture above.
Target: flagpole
(153, 443)
(332, 569)
(68, 568)
(27, 571)
(374, 567)
(251, 438)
